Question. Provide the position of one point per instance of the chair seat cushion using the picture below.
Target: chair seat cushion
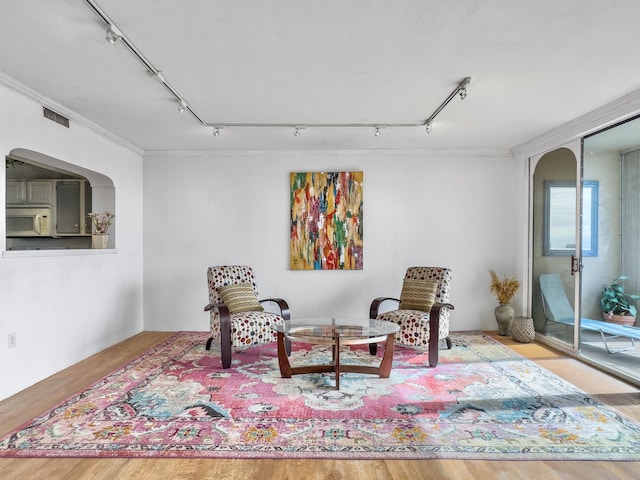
(252, 328)
(414, 326)
(240, 298)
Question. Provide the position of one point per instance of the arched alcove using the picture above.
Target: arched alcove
(98, 196)
(560, 165)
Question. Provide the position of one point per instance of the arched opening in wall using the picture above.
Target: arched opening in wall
(48, 202)
(555, 196)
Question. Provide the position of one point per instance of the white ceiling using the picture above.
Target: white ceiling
(535, 65)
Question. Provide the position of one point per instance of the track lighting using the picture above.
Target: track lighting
(113, 34)
(429, 127)
(160, 76)
(461, 90)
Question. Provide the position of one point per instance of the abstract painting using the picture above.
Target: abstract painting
(326, 220)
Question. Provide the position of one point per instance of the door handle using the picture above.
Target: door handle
(576, 265)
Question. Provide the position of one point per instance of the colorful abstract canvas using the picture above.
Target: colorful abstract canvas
(326, 221)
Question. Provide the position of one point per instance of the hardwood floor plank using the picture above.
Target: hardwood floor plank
(22, 407)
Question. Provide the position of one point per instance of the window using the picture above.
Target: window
(560, 218)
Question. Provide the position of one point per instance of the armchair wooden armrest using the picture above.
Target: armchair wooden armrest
(375, 305)
(225, 332)
(211, 306)
(434, 327)
(285, 314)
(282, 305)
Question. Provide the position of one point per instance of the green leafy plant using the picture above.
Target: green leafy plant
(614, 300)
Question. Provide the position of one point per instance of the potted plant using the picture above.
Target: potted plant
(101, 223)
(503, 290)
(616, 304)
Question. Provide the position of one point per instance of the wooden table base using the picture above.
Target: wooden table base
(383, 370)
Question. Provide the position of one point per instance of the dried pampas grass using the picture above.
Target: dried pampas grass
(505, 289)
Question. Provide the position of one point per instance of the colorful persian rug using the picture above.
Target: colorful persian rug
(482, 401)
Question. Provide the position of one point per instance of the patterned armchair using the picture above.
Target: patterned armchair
(422, 310)
(237, 317)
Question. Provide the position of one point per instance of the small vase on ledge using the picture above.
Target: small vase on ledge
(504, 316)
(100, 223)
(99, 240)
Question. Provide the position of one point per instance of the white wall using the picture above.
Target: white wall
(420, 208)
(64, 308)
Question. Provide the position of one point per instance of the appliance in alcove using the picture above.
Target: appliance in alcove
(28, 222)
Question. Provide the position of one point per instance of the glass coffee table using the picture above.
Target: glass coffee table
(336, 332)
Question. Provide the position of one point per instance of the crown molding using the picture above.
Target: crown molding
(598, 119)
(36, 96)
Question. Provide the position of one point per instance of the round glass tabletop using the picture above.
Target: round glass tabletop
(330, 327)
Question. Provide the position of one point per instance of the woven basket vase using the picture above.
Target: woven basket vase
(522, 330)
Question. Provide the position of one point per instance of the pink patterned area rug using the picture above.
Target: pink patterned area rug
(482, 401)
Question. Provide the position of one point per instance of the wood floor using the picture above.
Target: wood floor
(33, 401)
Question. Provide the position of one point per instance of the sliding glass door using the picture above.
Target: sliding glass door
(612, 157)
(585, 235)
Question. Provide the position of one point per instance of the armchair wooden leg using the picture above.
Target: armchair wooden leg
(225, 342)
(434, 326)
(225, 354)
(373, 348)
(449, 343)
(208, 345)
(434, 332)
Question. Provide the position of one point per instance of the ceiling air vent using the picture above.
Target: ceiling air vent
(56, 117)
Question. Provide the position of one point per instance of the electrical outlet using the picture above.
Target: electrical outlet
(12, 340)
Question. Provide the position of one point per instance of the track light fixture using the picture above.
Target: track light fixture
(461, 90)
(160, 76)
(113, 34)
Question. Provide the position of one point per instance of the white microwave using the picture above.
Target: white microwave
(28, 222)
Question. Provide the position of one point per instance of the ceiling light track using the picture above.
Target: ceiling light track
(461, 90)
(115, 35)
(318, 125)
